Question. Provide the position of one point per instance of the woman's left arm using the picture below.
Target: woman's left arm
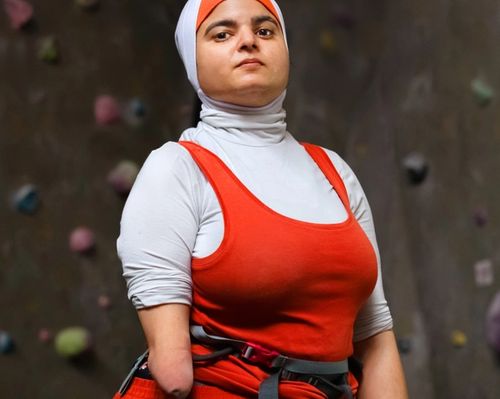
(374, 340)
(383, 375)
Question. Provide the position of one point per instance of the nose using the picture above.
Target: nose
(248, 40)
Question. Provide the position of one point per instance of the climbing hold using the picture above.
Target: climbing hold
(344, 18)
(45, 335)
(106, 110)
(483, 92)
(20, 12)
(104, 302)
(483, 271)
(72, 342)
(493, 323)
(48, 50)
(6, 343)
(458, 339)
(481, 217)
(122, 177)
(82, 240)
(416, 166)
(328, 42)
(404, 345)
(135, 112)
(26, 199)
(88, 5)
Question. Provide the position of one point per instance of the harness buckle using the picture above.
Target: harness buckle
(255, 353)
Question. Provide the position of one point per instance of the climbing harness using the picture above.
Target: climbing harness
(329, 377)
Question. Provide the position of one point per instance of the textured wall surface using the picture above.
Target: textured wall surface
(373, 81)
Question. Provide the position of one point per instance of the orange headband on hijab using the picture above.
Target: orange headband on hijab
(207, 6)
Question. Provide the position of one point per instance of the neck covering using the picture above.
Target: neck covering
(250, 125)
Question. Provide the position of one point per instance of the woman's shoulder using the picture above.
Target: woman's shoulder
(170, 157)
(338, 162)
(351, 182)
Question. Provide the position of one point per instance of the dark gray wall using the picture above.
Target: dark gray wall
(394, 79)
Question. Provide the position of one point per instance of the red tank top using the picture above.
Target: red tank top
(289, 285)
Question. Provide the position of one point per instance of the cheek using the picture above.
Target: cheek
(210, 66)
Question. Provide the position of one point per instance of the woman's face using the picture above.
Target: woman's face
(241, 54)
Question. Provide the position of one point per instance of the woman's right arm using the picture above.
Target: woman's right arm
(158, 230)
(166, 328)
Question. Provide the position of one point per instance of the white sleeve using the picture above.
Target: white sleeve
(158, 228)
(375, 315)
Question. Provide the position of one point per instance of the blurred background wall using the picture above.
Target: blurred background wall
(374, 81)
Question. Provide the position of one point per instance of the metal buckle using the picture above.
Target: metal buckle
(257, 354)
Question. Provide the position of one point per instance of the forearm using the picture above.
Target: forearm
(166, 328)
(383, 375)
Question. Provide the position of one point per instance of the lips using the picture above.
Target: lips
(250, 61)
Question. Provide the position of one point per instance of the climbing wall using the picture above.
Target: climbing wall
(405, 91)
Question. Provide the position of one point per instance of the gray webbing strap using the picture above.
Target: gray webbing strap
(311, 367)
(130, 376)
(269, 388)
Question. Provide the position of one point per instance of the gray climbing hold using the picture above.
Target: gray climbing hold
(493, 323)
(72, 342)
(6, 343)
(26, 199)
(417, 167)
(483, 92)
(404, 345)
(481, 217)
(123, 176)
(483, 271)
(344, 17)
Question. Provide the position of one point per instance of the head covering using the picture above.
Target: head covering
(192, 16)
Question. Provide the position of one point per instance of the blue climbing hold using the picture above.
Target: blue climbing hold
(6, 343)
(26, 199)
(135, 112)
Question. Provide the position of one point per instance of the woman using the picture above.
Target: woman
(255, 237)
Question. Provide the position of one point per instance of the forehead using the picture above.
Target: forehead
(234, 9)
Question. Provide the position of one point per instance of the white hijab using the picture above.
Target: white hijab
(218, 117)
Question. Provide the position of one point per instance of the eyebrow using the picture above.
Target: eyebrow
(231, 23)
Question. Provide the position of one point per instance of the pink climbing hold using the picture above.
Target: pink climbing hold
(106, 110)
(45, 335)
(82, 240)
(493, 323)
(20, 12)
(104, 302)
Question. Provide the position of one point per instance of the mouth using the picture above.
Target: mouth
(250, 62)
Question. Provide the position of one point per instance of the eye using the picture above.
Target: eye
(265, 32)
(221, 36)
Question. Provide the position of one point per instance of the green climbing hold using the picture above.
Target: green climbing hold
(483, 92)
(72, 342)
(47, 50)
(88, 5)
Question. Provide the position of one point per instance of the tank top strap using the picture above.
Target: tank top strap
(325, 164)
(224, 183)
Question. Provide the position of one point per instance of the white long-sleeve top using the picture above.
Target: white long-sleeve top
(172, 213)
